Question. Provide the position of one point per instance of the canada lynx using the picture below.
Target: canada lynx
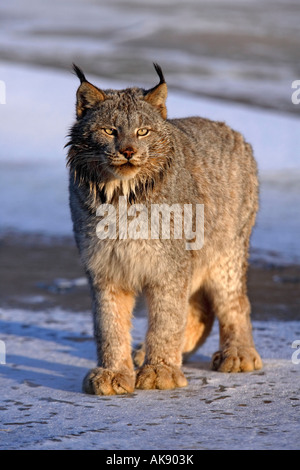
(123, 146)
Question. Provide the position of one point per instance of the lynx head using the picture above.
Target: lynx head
(120, 138)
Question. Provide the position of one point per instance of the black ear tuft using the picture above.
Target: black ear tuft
(157, 96)
(88, 96)
(159, 73)
(79, 73)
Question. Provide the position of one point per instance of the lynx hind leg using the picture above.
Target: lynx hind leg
(139, 354)
(199, 323)
(237, 350)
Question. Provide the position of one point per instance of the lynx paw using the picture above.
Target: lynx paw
(236, 359)
(101, 381)
(139, 354)
(160, 376)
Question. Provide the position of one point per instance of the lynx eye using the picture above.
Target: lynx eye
(109, 131)
(142, 132)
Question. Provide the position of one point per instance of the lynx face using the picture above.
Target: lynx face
(119, 135)
(124, 140)
(125, 154)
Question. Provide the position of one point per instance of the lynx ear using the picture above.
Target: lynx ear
(87, 94)
(157, 96)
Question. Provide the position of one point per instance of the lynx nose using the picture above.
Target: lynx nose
(128, 152)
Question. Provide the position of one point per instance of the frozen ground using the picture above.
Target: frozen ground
(42, 407)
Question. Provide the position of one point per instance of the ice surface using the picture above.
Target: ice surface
(42, 406)
(34, 125)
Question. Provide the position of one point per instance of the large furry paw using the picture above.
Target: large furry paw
(236, 359)
(159, 376)
(101, 381)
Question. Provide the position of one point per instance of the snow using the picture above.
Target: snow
(42, 406)
(35, 120)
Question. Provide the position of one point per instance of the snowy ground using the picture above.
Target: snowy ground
(42, 407)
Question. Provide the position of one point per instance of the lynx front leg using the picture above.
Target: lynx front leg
(237, 351)
(112, 322)
(164, 341)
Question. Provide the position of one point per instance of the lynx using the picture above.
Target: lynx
(123, 146)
